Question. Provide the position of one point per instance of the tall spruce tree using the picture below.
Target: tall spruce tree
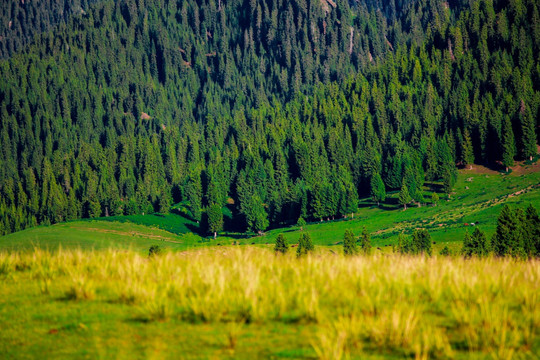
(378, 192)
(528, 135)
(404, 197)
(532, 232)
(504, 239)
(214, 219)
(508, 144)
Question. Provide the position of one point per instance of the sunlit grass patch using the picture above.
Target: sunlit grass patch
(402, 306)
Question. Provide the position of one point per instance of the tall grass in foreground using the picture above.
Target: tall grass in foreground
(407, 306)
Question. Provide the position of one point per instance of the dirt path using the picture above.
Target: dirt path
(128, 233)
(519, 169)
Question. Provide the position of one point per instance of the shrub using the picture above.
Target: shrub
(154, 250)
(445, 251)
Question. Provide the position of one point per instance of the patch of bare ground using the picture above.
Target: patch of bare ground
(129, 233)
(521, 168)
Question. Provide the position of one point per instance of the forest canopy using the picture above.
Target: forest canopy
(286, 109)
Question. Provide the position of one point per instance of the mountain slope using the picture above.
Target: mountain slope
(267, 105)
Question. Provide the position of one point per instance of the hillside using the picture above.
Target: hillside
(22, 21)
(270, 106)
(478, 198)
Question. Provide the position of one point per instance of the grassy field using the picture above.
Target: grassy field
(88, 235)
(244, 303)
(478, 197)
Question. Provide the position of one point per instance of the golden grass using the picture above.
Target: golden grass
(409, 306)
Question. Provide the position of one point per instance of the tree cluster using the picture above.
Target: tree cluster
(518, 233)
(418, 243)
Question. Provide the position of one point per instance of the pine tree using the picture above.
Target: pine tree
(434, 198)
(365, 242)
(194, 195)
(467, 153)
(165, 202)
(349, 243)
(305, 245)
(378, 192)
(467, 249)
(507, 228)
(448, 179)
(93, 208)
(214, 219)
(528, 135)
(532, 232)
(445, 251)
(404, 197)
(508, 144)
(422, 241)
(257, 217)
(480, 243)
(301, 222)
(281, 245)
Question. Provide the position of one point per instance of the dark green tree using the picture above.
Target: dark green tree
(214, 219)
(194, 195)
(467, 248)
(404, 197)
(422, 241)
(365, 242)
(445, 251)
(507, 239)
(305, 245)
(508, 144)
(528, 135)
(480, 243)
(378, 191)
(301, 222)
(532, 232)
(281, 244)
(467, 151)
(349, 243)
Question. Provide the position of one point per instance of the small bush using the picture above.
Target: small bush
(154, 250)
(445, 251)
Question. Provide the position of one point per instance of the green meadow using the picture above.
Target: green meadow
(243, 302)
(477, 198)
(88, 289)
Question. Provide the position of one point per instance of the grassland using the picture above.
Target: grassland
(245, 302)
(478, 196)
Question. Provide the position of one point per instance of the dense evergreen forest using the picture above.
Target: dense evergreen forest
(21, 20)
(281, 109)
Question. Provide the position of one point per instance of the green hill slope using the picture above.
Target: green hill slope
(478, 197)
(289, 108)
(96, 235)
